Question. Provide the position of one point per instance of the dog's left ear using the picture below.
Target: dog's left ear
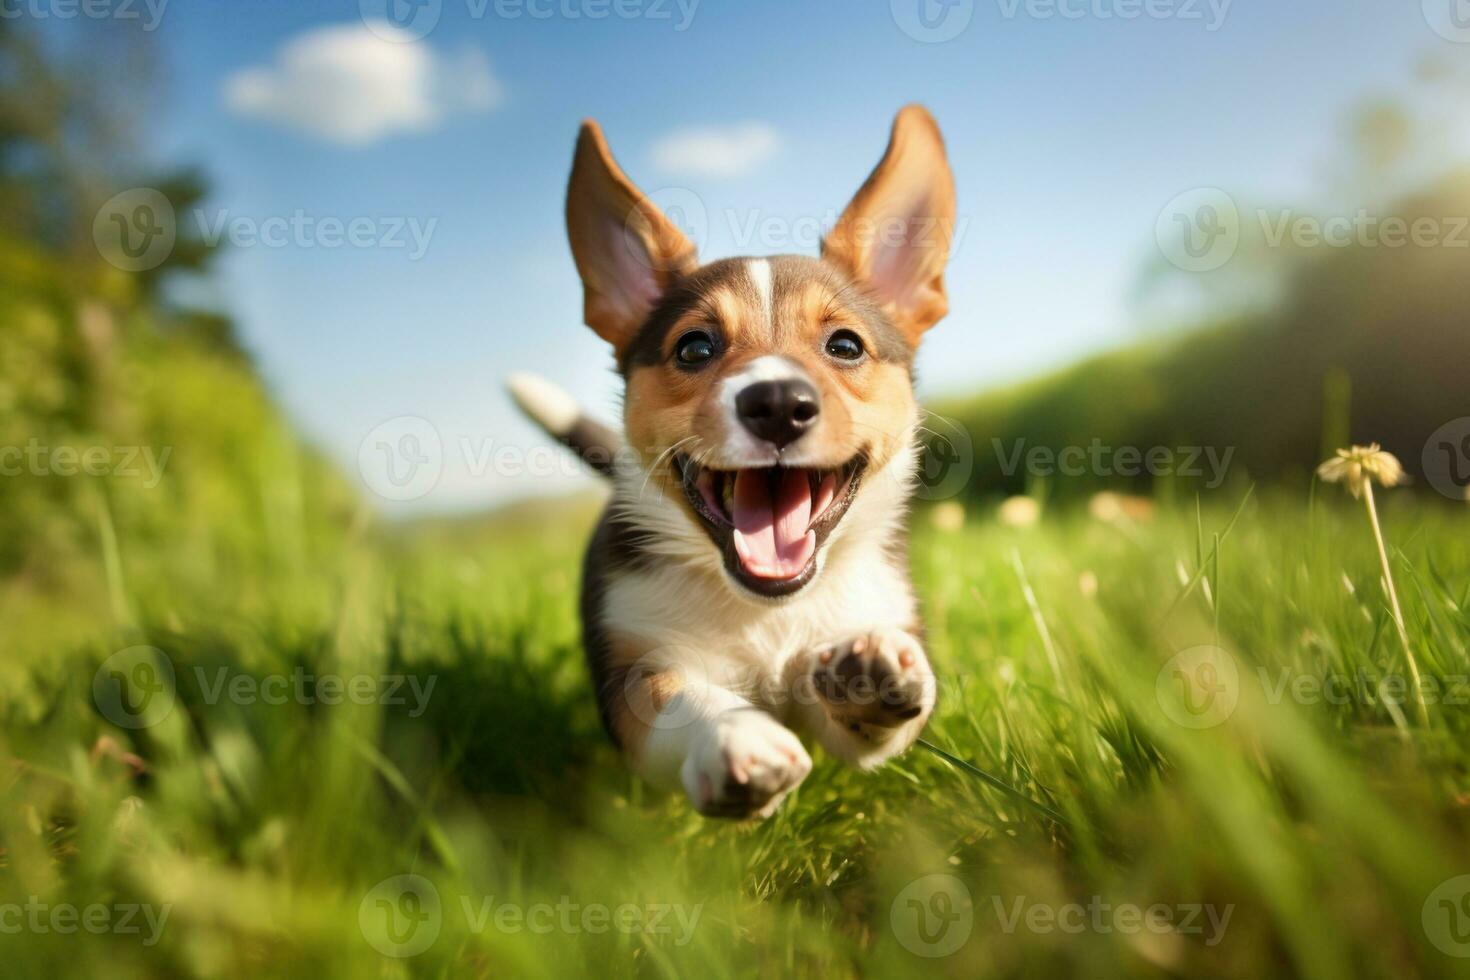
(894, 237)
(627, 251)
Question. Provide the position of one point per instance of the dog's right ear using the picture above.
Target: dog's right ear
(627, 252)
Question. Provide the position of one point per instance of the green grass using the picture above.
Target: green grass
(1321, 827)
(260, 837)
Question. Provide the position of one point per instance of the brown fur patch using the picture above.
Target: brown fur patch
(634, 696)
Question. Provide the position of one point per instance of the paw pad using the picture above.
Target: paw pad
(873, 679)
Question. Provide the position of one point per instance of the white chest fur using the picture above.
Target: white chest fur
(685, 610)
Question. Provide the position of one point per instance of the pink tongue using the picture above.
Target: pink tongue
(771, 538)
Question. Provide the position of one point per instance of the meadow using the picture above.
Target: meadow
(249, 728)
(374, 753)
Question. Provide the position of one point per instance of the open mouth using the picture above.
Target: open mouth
(768, 522)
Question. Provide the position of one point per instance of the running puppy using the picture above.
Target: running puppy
(749, 578)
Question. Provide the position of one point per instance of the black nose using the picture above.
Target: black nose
(778, 411)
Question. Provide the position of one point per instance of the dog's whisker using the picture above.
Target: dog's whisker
(658, 461)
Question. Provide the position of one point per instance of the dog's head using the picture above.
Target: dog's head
(764, 394)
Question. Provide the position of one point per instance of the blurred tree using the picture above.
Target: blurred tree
(73, 127)
(95, 358)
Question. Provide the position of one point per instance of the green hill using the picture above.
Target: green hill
(1370, 343)
(134, 443)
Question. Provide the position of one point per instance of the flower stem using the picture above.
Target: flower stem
(1393, 599)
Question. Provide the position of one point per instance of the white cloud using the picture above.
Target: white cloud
(717, 151)
(348, 84)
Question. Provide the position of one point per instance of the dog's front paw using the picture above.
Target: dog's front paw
(744, 766)
(874, 683)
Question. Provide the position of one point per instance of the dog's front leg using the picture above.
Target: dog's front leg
(865, 698)
(731, 758)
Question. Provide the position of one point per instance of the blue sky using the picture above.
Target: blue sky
(1067, 135)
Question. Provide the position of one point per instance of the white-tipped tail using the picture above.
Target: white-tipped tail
(551, 407)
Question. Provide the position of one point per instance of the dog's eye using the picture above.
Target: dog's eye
(694, 348)
(845, 345)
